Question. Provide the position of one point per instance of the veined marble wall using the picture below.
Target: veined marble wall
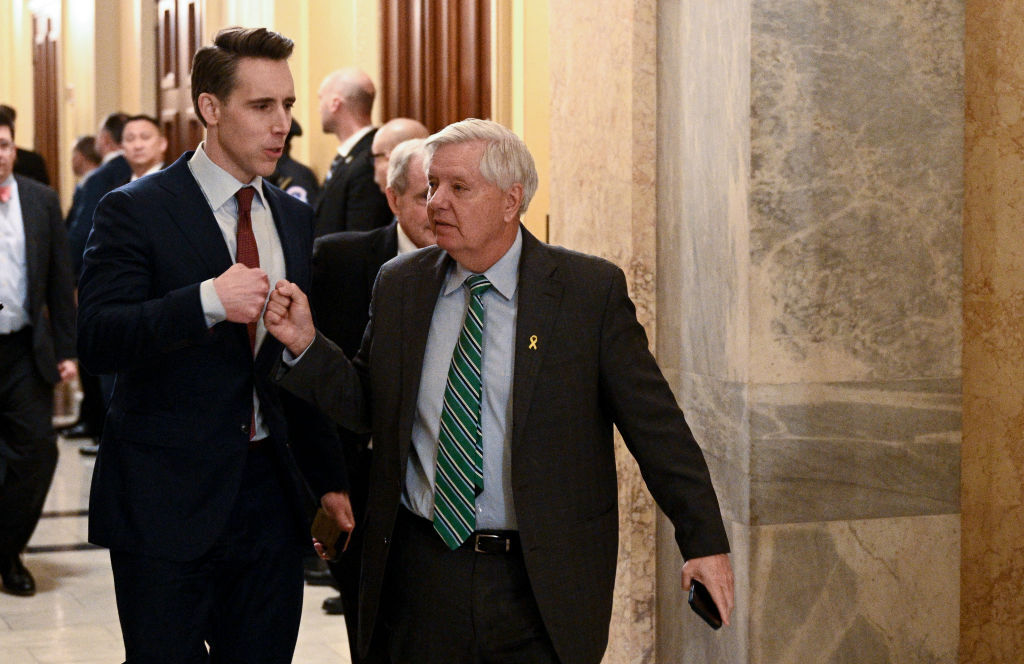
(602, 56)
(810, 187)
(992, 604)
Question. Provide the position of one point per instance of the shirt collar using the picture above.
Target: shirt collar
(503, 275)
(346, 146)
(111, 155)
(217, 184)
(405, 245)
(153, 169)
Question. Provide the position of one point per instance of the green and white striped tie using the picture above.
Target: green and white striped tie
(459, 478)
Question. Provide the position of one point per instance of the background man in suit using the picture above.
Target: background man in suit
(37, 342)
(113, 172)
(350, 201)
(387, 137)
(84, 159)
(27, 162)
(196, 489)
(144, 145)
(345, 266)
(492, 521)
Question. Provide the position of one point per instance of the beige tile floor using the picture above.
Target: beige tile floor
(73, 619)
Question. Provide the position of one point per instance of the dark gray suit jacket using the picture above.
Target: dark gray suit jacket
(582, 365)
(51, 303)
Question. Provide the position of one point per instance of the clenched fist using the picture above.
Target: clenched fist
(243, 292)
(288, 317)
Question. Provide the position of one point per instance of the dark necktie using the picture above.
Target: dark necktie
(335, 163)
(459, 476)
(247, 254)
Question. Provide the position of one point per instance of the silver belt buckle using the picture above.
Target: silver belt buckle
(488, 536)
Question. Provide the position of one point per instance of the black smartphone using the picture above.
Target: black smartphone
(703, 605)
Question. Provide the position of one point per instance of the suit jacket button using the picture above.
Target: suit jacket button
(387, 541)
(245, 429)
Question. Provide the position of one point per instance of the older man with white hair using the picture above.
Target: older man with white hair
(492, 524)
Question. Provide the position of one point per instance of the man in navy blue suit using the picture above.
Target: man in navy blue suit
(197, 490)
(113, 172)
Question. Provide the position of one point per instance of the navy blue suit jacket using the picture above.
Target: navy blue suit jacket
(176, 436)
(107, 177)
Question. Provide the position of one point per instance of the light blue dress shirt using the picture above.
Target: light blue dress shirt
(495, 508)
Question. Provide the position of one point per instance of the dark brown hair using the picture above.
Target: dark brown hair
(86, 146)
(214, 67)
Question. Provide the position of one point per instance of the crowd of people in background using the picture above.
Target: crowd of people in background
(479, 499)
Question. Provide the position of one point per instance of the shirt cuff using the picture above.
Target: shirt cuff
(290, 360)
(213, 308)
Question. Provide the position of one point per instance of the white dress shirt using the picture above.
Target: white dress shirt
(220, 187)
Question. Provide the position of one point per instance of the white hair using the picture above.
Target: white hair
(398, 164)
(506, 159)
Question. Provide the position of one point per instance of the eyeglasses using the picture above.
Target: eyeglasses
(378, 155)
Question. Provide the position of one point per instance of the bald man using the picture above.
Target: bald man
(350, 200)
(384, 141)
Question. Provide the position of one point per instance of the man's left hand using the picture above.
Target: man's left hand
(715, 572)
(339, 507)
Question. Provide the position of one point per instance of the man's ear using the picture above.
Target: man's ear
(209, 108)
(513, 200)
(392, 200)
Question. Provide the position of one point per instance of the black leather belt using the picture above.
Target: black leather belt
(480, 541)
(494, 541)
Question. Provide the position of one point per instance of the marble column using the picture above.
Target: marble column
(992, 604)
(810, 188)
(603, 202)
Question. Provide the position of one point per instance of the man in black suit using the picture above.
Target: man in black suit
(350, 201)
(492, 521)
(27, 162)
(37, 330)
(345, 266)
(84, 160)
(196, 490)
(113, 172)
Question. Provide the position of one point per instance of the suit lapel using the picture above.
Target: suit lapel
(540, 298)
(194, 216)
(419, 297)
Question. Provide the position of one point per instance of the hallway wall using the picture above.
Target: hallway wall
(810, 189)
